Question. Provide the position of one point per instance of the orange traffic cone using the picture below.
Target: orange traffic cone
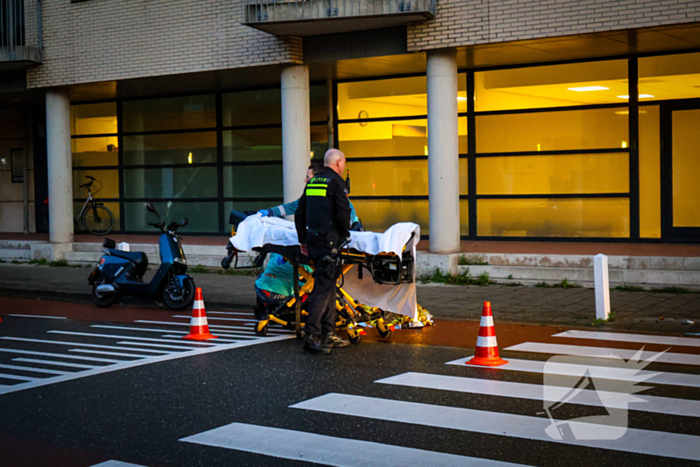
(486, 346)
(199, 328)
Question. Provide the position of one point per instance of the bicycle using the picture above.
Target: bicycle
(95, 217)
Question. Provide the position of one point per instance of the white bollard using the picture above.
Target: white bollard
(602, 286)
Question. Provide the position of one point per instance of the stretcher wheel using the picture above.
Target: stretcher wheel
(356, 339)
(385, 333)
(261, 332)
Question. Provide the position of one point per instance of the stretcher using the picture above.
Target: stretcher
(376, 287)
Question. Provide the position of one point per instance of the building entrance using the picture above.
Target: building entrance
(681, 172)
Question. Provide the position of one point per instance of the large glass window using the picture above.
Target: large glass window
(649, 173)
(95, 152)
(203, 217)
(93, 119)
(169, 149)
(172, 113)
(669, 77)
(553, 217)
(588, 83)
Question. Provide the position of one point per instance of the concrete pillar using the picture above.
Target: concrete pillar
(443, 151)
(296, 129)
(58, 153)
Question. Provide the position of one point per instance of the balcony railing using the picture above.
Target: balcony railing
(20, 33)
(314, 17)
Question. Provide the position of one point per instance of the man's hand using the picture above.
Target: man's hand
(303, 249)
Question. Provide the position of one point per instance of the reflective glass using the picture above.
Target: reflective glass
(561, 174)
(171, 183)
(112, 206)
(552, 131)
(398, 97)
(106, 184)
(182, 148)
(552, 86)
(604, 218)
(171, 113)
(95, 152)
(203, 217)
(388, 178)
(391, 138)
(649, 173)
(379, 215)
(685, 168)
(93, 119)
(669, 77)
(261, 107)
(253, 145)
(253, 181)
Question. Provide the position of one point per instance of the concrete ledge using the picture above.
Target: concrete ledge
(428, 263)
(50, 251)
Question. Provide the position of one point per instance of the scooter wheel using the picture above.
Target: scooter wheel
(103, 301)
(386, 333)
(180, 299)
(261, 332)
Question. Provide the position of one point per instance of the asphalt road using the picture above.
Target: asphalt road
(246, 401)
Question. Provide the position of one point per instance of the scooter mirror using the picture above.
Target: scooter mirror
(152, 209)
(184, 221)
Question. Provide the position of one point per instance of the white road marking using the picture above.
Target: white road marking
(654, 404)
(248, 334)
(601, 372)
(116, 354)
(656, 443)
(36, 370)
(327, 450)
(134, 363)
(252, 315)
(51, 362)
(160, 346)
(211, 318)
(218, 339)
(48, 354)
(640, 338)
(218, 326)
(76, 344)
(19, 378)
(113, 336)
(37, 316)
(602, 352)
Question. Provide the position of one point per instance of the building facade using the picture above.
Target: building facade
(477, 119)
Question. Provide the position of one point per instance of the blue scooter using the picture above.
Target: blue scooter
(120, 273)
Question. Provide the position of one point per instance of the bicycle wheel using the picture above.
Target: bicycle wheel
(98, 220)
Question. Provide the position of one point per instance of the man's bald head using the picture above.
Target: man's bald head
(335, 159)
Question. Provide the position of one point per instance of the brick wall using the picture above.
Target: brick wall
(468, 22)
(103, 40)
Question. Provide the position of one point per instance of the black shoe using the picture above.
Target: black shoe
(315, 346)
(334, 340)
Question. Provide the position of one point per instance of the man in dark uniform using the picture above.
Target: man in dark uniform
(322, 223)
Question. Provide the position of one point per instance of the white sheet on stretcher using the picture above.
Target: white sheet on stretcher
(256, 231)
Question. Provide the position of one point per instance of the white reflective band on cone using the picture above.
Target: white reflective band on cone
(198, 321)
(198, 305)
(487, 321)
(486, 341)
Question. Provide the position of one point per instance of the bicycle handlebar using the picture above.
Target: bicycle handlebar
(91, 178)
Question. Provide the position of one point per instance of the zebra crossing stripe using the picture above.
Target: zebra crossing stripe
(60, 355)
(19, 378)
(327, 450)
(32, 369)
(655, 443)
(603, 352)
(113, 463)
(76, 344)
(665, 405)
(147, 339)
(600, 372)
(214, 318)
(640, 338)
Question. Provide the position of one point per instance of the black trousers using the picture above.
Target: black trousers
(322, 313)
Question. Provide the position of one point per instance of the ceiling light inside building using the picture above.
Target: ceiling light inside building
(460, 98)
(589, 88)
(641, 96)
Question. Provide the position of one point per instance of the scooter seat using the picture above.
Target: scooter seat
(138, 258)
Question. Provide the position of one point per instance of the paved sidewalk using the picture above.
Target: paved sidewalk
(638, 311)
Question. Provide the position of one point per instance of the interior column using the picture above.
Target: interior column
(443, 151)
